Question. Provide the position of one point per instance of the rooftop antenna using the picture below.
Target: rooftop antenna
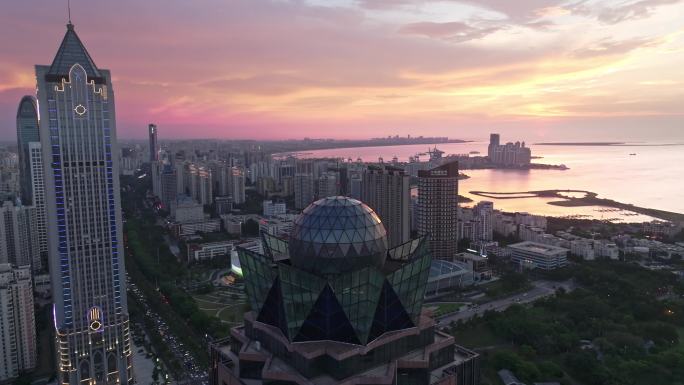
(69, 10)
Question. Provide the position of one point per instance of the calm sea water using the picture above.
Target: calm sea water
(654, 177)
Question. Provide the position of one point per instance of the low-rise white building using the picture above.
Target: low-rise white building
(189, 228)
(272, 209)
(545, 257)
(202, 251)
(187, 209)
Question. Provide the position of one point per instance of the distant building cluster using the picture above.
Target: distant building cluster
(509, 154)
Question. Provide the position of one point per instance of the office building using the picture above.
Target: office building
(334, 305)
(154, 144)
(17, 322)
(27, 132)
(437, 209)
(38, 191)
(19, 244)
(538, 255)
(84, 218)
(386, 190)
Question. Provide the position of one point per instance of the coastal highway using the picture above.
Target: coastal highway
(541, 289)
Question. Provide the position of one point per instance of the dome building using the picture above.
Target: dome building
(334, 305)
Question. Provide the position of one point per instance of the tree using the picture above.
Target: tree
(251, 228)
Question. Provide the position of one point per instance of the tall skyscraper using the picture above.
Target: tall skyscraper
(386, 190)
(27, 132)
(38, 189)
(154, 146)
(76, 101)
(18, 240)
(437, 209)
(17, 322)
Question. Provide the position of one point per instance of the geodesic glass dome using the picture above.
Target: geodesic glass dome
(337, 234)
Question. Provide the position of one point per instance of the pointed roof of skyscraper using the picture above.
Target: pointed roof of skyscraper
(70, 52)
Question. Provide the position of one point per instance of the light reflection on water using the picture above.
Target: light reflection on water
(653, 178)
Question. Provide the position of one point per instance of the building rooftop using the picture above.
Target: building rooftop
(72, 51)
(537, 248)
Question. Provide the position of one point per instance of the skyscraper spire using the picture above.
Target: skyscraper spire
(69, 11)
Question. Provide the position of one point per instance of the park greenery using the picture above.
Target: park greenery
(623, 326)
(159, 275)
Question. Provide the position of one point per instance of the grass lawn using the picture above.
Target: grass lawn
(216, 305)
(445, 308)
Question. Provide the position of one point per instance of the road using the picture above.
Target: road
(194, 373)
(540, 290)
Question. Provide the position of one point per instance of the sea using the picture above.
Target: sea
(644, 174)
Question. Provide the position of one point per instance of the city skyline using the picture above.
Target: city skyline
(279, 69)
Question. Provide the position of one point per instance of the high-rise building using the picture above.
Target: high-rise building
(304, 190)
(17, 322)
(80, 153)
(483, 214)
(386, 189)
(38, 189)
(328, 185)
(19, 244)
(154, 145)
(509, 154)
(334, 305)
(27, 132)
(168, 185)
(494, 142)
(437, 209)
(238, 182)
(200, 184)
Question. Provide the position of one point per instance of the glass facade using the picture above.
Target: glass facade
(355, 303)
(337, 234)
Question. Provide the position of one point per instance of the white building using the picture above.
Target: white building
(182, 229)
(187, 210)
(232, 224)
(541, 256)
(280, 226)
(272, 209)
(17, 322)
(202, 251)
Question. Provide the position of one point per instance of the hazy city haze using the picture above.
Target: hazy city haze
(538, 69)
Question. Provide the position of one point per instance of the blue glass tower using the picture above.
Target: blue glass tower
(78, 138)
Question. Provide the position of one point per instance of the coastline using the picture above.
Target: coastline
(589, 199)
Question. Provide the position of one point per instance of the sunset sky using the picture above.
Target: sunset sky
(534, 69)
